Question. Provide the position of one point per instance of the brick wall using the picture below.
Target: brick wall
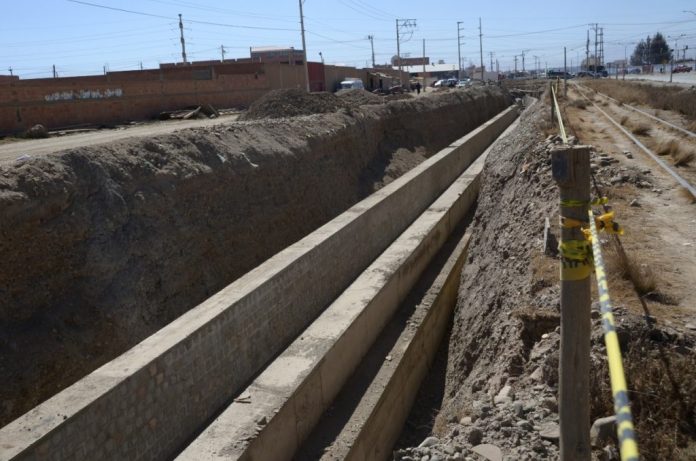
(137, 95)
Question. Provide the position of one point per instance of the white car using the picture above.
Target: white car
(352, 84)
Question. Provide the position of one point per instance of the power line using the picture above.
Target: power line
(372, 7)
(537, 32)
(123, 10)
(363, 12)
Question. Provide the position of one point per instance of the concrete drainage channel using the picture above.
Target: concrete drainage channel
(282, 408)
(123, 410)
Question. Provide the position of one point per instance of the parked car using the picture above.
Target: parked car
(352, 83)
(558, 74)
(463, 83)
(635, 70)
(449, 82)
(681, 68)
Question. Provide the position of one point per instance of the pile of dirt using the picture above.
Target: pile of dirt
(398, 96)
(358, 97)
(292, 102)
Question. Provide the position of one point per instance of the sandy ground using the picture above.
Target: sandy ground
(10, 151)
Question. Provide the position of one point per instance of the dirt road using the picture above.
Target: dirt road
(37, 147)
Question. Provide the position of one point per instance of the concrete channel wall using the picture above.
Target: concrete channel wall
(148, 402)
(292, 392)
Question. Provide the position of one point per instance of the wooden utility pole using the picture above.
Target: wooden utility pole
(459, 50)
(183, 42)
(565, 73)
(304, 48)
(371, 38)
(481, 47)
(571, 170)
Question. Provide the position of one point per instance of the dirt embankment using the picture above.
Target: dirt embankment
(502, 375)
(102, 246)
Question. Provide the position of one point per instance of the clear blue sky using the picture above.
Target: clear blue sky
(81, 39)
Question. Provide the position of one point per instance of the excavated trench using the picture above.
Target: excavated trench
(102, 246)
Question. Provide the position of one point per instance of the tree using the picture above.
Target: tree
(652, 50)
(659, 50)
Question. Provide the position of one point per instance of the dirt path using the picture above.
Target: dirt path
(37, 147)
(661, 231)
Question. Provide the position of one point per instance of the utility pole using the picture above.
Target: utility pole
(481, 47)
(523, 52)
(304, 47)
(183, 42)
(587, 52)
(565, 73)
(222, 53)
(601, 46)
(10, 69)
(596, 29)
(497, 67)
(55, 74)
(491, 54)
(459, 50)
(141, 65)
(402, 24)
(515, 63)
(371, 38)
(424, 85)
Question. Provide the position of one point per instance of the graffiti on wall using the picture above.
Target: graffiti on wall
(84, 94)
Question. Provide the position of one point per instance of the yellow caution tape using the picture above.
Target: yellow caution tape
(576, 259)
(570, 223)
(606, 223)
(628, 446)
(582, 203)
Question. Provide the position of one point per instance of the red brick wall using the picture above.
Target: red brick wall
(137, 95)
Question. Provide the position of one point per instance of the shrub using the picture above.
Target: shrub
(641, 129)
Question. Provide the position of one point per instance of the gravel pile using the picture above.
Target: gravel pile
(358, 97)
(292, 102)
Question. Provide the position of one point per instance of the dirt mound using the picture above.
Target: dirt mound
(357, 97)
(291, 103)
(398, 97)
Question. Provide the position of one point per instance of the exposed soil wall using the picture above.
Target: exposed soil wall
(104, 245)
(501, 382)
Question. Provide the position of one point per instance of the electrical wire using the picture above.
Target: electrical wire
(236, 26)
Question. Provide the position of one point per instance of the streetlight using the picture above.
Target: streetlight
(322, 57)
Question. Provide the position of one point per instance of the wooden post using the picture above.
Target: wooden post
(553, 109)
(571, 170)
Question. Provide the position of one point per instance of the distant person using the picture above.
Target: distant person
(418, 87)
